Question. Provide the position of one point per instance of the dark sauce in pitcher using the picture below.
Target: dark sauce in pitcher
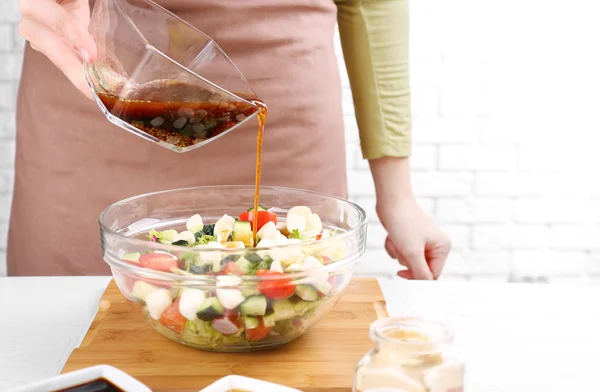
(160, 110)
(177, 113)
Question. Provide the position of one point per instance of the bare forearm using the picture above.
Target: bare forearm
(392, 178)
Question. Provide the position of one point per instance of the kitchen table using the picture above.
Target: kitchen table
(515, 337)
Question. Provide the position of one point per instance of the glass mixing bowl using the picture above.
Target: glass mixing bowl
(266, 318)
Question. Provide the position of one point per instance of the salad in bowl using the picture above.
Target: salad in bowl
(190, 260)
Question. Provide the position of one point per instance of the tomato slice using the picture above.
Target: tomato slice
(158, 261)
(267, 273)
(276, 288)
(264, 217)
(258, 333)
(172, 318)
(233, 316)
(245, 216)
(333, 280)
(232, 268)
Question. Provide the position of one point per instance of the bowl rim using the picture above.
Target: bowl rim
(160, 275)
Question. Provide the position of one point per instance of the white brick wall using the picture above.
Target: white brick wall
(11, 47)
(478, 157)
(505, 137)
(475, 209)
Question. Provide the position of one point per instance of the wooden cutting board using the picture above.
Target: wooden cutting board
(321, 360)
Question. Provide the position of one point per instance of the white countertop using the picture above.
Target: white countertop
(522, 338)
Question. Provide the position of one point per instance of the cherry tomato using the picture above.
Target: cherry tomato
(264, 217)
(232, 268)
(158, 261)
(258, 333)
(172, 318)
(276, 288)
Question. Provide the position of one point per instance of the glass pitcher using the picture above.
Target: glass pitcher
(409, 355)
(159, 78)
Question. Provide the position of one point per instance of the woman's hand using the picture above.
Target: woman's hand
(58, 29)
(413, 239)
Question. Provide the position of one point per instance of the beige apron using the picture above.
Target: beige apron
(71, 163)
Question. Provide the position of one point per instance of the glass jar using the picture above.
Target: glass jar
(409, 355)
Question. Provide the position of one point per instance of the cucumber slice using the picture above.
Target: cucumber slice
(255, 305)
(269, 320)
(302, 307)
(174, 291)
(249, 292)
(133, 257)
(306, 292)
(260, 208)
(323, 286)
(169, 235)
(242, 231)
(251, 322)
(216, 264)
(283, 310)
(210, 309)
(244, 264)
(141, 290)
(253, 258)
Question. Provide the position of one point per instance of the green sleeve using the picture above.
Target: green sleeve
(374, 36)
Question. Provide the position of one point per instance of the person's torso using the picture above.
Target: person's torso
(72, 163)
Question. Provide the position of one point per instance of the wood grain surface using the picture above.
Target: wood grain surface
(321, 360)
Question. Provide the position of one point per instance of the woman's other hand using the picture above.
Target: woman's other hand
(58, 29)
(413, 239)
